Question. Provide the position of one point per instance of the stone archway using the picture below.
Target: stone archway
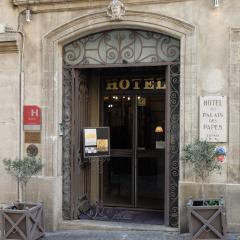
(122, 47)
(96, 22)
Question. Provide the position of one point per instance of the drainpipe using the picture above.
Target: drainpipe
(21, 87)
(21, 79)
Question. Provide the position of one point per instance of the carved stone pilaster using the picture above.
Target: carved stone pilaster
(234, 106)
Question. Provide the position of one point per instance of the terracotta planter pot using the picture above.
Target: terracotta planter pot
(207, 222)
(25, 222)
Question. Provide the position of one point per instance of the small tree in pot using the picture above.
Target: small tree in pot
(23, 170)
(206, 216)
(202, 155)
(22, 220)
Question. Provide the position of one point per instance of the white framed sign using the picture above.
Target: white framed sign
(213, 118)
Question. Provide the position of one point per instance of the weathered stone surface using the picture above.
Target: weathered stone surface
(123, 235)
(210, 47)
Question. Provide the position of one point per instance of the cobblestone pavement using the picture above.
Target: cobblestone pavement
(122, 235)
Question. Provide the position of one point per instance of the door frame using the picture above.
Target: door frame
(174, 209)
(171, 175)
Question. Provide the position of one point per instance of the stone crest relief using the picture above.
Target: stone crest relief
(116, 10)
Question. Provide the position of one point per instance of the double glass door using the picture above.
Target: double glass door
(135, 174)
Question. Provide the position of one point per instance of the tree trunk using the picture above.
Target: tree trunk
(18, 190)
(203, 188)
(24, 192)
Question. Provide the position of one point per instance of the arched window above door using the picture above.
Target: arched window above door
(122, 47)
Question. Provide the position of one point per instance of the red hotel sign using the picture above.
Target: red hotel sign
(32, 117)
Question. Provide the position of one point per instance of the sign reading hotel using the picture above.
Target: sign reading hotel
(135, 84)
(213, 118)
(32, 118)
(96, 142)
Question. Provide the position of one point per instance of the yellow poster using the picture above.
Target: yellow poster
(90, 137)
(102, 145)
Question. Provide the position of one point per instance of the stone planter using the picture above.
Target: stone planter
(24, 222)
(207, 222)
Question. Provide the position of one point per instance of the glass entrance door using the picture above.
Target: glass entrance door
(150, 152)
(118, 172)
(134, 175)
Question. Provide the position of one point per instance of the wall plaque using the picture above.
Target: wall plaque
(32, 137)
(32, 150)
(32, 118)
(213, 118)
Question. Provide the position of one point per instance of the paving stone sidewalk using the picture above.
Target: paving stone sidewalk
(122, 235)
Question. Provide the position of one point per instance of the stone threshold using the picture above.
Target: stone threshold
(112, 226)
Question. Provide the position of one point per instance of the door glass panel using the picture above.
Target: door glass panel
(118, 172)
(150, 151)
(135, 174)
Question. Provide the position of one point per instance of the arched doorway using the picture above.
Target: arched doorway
(146, 66)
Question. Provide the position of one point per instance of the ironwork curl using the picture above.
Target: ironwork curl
(67, 108)
(122, 46)
(174, 144)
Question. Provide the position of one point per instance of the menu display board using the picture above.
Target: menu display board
(96, 142)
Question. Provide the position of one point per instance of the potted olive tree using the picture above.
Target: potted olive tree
(22, 220)
(206, 216)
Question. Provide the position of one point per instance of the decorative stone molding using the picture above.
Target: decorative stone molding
(35, 2)
(234, 106)
(94, 22)
(116, 10)
(63, 5)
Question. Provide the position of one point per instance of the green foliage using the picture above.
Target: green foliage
(23, 169)
(212, 202)
(202, 155)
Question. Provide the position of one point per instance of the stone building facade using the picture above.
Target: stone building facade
(33, 72)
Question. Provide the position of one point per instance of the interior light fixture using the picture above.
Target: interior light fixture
(216, 3)
(158, 129)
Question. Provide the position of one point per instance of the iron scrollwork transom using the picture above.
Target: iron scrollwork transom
(122, 47)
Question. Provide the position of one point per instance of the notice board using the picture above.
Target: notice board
(96, 142)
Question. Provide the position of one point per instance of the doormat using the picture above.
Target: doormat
(115, 214)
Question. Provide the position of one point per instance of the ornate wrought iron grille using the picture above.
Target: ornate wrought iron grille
(122, 47)
(75, 117)
(67, 141)
(174, 101)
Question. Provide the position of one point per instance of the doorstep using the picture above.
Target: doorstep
(111, 226)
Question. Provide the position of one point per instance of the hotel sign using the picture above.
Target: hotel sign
(135, 84)
(32, 118)
(213, 118)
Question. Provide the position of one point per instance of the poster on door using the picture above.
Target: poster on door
(96, 142)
